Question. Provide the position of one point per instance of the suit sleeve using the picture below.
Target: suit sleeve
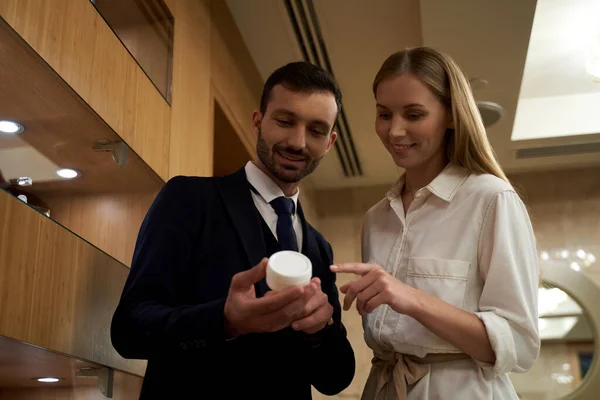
(148, 318)
(331, 355)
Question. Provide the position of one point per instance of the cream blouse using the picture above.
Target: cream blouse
(466, 239)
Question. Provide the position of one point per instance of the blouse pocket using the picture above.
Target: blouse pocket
(444, 279)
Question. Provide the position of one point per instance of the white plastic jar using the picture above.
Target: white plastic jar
(288, 268)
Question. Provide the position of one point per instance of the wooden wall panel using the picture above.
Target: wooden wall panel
(146, 29)
(76, 42)
(230, 153)
(57, 291)
(236, 82)
(191, 145)
(210, 63)
(110, 221)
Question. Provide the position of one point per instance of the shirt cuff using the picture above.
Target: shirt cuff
(501, 338)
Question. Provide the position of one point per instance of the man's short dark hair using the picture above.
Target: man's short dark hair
(301, 76)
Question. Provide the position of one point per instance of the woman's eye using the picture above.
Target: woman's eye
(384, 116)
(414, 117)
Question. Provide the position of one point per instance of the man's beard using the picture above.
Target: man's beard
(267, 157)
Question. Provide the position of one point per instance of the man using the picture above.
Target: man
(196, 303)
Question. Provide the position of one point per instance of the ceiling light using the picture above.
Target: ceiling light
(11, 127)
(562, 379)
(575, 266)
(581, 254)
(67, 173)
(48, 380)
(564, 254)
(591, 258)
(592, 66)
(545, 256)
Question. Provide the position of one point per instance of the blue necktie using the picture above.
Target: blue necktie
(285, 229)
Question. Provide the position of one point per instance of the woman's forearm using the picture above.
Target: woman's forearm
(463, 329)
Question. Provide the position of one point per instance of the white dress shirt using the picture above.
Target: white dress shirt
(466, 239)
(268, 191)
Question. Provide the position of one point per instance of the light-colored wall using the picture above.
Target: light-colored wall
(340, 215)
(564, 208)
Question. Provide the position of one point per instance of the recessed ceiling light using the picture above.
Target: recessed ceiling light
(11, 127)
(67, 173)
(48, 380)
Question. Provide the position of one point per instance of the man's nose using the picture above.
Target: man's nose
(297, 138)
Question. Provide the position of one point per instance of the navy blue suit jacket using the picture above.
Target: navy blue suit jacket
(198, 233)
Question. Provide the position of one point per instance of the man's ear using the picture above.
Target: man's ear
(256, 121)
(332, 138)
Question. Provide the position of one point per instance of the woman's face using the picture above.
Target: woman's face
(411, 121)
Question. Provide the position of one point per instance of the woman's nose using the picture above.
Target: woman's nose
(397, 129)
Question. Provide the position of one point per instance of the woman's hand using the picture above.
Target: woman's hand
(375, 287)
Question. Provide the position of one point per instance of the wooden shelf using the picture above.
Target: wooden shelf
(60, 126)
(107, 203)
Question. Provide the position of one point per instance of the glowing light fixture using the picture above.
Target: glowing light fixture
(48, 380)
(67, 173)
(11, 127)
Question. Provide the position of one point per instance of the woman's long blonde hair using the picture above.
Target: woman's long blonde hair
(467, 144)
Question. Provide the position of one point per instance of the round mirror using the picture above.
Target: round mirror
(567, 324)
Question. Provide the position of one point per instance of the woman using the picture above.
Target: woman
(448, 291)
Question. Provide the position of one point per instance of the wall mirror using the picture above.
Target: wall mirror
(567, 367)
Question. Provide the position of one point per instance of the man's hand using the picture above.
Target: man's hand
(317, 311)
(244, 313)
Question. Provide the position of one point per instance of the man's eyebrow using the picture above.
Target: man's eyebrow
(289, 113)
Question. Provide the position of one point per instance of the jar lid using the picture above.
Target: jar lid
(287, 268)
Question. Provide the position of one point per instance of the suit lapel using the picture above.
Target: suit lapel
(310, 248)
(235, 192)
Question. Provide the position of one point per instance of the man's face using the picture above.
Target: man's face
(295, 132)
